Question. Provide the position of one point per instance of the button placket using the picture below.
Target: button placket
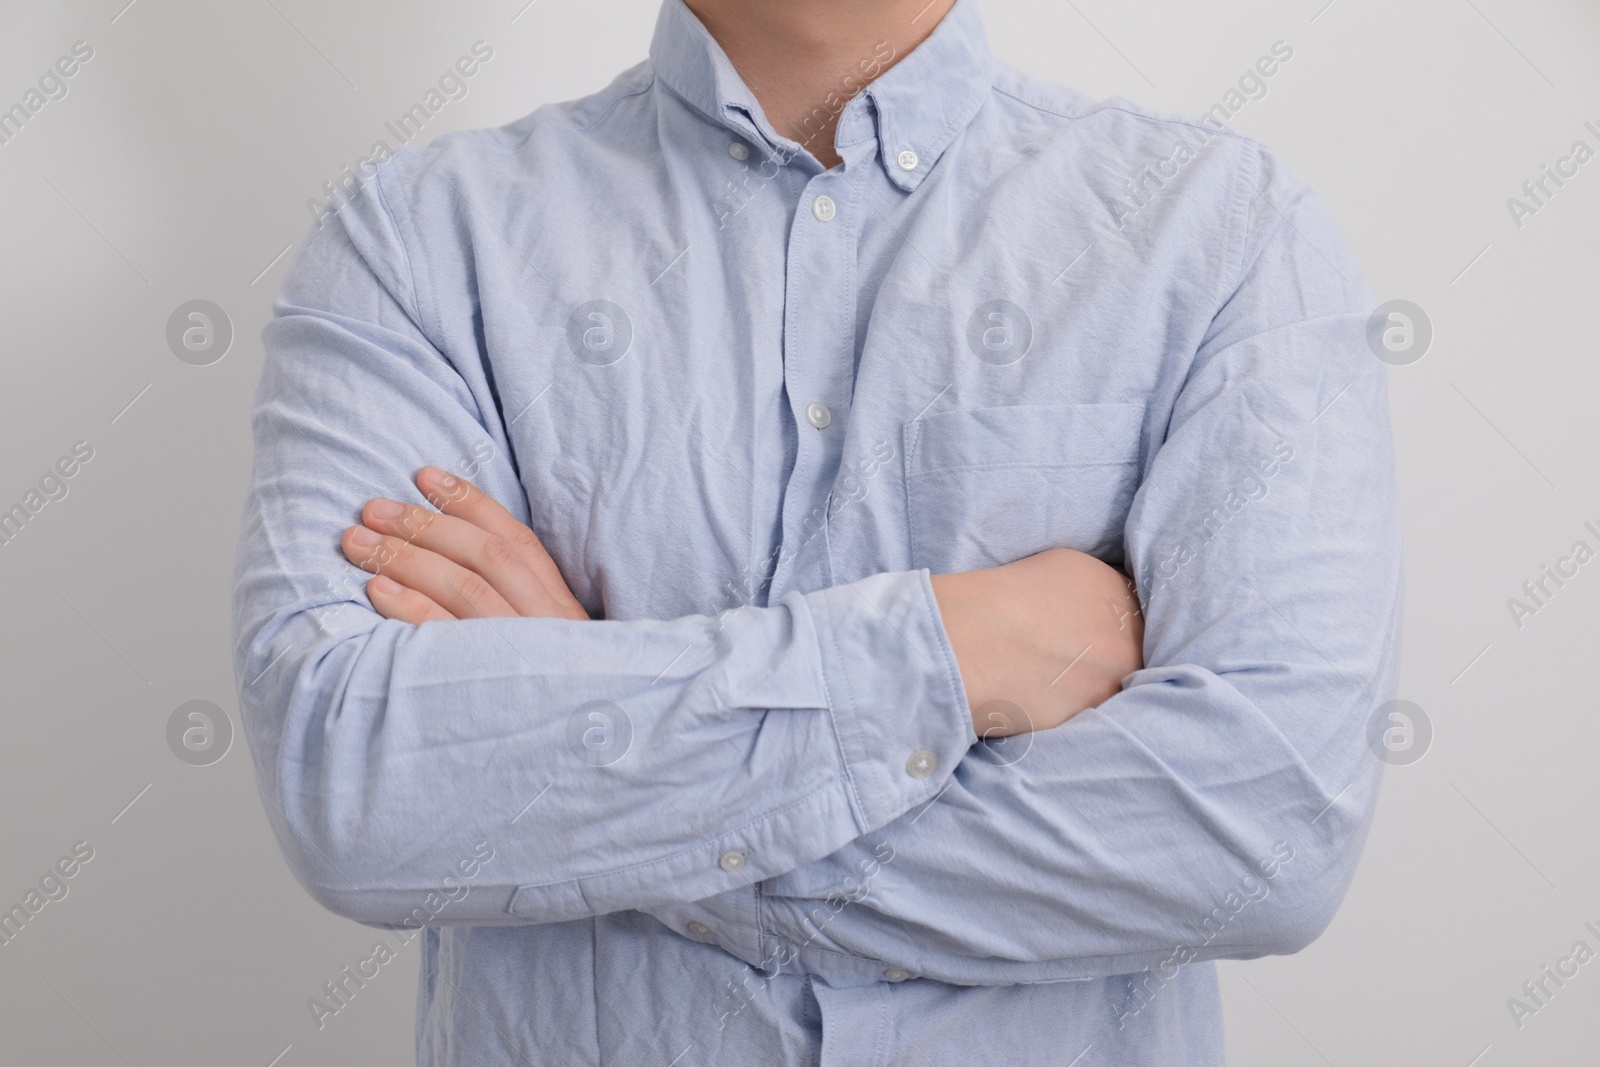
(818, 359)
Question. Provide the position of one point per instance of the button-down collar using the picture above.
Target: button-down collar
(918, 106)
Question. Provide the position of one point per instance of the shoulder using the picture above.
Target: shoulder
(468, 158)
(413, 204)
(1117, 129)
(1194, 166)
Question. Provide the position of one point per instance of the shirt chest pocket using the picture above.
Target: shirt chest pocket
(987, 486)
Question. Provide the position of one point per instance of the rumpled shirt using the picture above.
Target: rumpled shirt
(749, 405)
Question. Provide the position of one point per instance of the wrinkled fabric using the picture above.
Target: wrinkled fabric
(743, 817)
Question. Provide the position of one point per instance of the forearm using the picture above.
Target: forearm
(609, 765)
(1119, 840)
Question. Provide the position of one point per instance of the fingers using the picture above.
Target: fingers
(471, 558)
(460, 499)
(470, 547)
(463, 593)
(394, 601)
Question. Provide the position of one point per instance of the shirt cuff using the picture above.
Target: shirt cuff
(899, 709)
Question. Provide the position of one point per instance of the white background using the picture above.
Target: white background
(179, 166)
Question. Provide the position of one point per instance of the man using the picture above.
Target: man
(749, 675)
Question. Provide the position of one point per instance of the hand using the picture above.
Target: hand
(1041, 639)
(469, 559)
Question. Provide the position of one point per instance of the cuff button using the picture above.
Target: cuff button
(922, 763)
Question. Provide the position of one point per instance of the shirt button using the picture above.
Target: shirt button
(699, 929)
(896, 974)
(907, 160)
(818, 415)
(732, 860)
(922, 763)
(823, 208)
(739, 150)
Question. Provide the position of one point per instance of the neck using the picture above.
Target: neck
(805, 59)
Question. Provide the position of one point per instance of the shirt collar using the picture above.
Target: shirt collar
(919, 105)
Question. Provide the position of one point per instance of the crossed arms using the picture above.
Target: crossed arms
(388, 750)
(1036, 641)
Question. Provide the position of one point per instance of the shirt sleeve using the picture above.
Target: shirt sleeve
(1216, 806)
(532, 770)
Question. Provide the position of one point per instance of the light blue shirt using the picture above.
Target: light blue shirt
(749, 405)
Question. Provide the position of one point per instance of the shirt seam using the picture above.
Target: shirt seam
(858, 802)
(917, 973)
(629, 95)
(952, 671)
(1162, 120)
(429, 327)
(882, 993)
(1020, 464)
(913, 431)
(1241, 212)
